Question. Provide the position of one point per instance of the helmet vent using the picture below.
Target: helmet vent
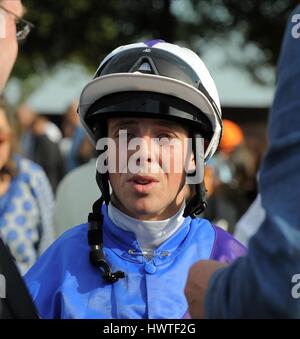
(144, 65)
(145, 68)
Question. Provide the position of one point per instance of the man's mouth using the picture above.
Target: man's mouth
(143, 184)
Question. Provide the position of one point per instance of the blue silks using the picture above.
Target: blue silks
(64, 284)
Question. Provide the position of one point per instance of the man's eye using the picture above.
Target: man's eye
(166, 135)
(125, 135)
(165, 140)
(130, 136)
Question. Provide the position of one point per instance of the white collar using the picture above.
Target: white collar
(149, 234)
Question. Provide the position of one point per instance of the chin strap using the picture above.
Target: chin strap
(95, 240)
(197, 204)
(95, 223)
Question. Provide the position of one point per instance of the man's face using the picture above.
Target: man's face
(8, 41)
(155, 191)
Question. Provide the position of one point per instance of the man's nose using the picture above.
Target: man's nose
(146, 150)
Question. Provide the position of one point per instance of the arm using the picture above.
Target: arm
(259, 285)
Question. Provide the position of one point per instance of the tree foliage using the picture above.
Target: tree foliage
(86, 30)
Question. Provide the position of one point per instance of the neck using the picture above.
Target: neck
(149, 234)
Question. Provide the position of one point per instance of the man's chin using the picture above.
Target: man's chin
(144, 209)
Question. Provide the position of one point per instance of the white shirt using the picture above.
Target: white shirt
(149, 234)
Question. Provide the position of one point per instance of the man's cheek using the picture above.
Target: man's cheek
(169, 163)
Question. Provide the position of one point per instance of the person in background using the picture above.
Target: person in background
(264, 283)
(250, 222)
(46, 152)
(73, 137)
(77, 191)
(74, 196)
(226, 175)
(26, 117)
(26, 200)
(17, 303)
(40, 137)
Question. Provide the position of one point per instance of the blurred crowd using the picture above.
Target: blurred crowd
(231, 176)
(50, 170)
(66, 146)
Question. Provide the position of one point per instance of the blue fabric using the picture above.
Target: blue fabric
(6, 199)
(259, 285)
(26, 214)
(64, 284)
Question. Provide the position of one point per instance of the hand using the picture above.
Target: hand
(197, 283)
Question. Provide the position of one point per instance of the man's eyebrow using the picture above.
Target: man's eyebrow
(124, 123)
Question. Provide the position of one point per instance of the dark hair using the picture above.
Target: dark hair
(10, 168)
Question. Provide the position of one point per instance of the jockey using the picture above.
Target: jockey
(153, 113)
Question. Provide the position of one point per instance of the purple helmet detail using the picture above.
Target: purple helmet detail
(151, 43)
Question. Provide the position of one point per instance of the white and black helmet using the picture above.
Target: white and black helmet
(154, 79)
